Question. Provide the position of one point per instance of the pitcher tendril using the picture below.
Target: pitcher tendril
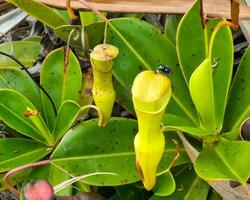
(235, 8)
(215, 31)
(100, 114)
(178, 153)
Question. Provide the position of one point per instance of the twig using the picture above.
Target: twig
(70, 10)
(178, 153)
(18, 169)
(92, 8)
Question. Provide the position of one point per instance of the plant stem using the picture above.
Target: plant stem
(70, 10)
(18, 169)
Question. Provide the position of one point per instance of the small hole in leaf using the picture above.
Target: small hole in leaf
(245, 130)
(234, 184)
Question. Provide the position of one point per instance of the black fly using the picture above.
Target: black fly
(164, 69)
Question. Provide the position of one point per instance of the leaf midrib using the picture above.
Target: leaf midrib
(5, 82)
(109, 155)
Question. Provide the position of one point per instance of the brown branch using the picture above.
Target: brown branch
(18, 169)
(235, 11)
(70, 10)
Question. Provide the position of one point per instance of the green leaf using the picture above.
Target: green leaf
(57, 176)
(108, 149)
(222, 60)
(214, 196)
(15, 152)
(130, 191)
(26, 52)
(64, 14)
(123, 96)
(171, 25)
(202, 93)
(230, 161)
(66, 116)
(33, 39)
(172, 122)
(88, 18)
(18, 80)
(61, 82)
(41, 12)
(165, 185)
(192, 52)
(126, 34)
(188, 186)
(13, 105)
(94, 34)
(238, 107)
(191, 47)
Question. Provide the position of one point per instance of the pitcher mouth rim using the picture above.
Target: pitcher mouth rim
(148, 112)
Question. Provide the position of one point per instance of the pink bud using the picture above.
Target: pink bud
(40, 190)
